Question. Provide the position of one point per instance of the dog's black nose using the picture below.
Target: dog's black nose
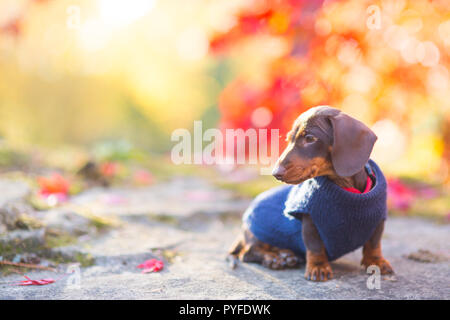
(278, 172)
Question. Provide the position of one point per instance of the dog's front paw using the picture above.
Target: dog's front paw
(318, 271)
(382, 263)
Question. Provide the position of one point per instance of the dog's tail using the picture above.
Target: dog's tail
(233, 253)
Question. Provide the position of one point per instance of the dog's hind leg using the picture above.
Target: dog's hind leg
(247, 248)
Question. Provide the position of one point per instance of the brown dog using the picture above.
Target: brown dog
(322, 142)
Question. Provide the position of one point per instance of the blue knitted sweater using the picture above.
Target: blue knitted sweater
(344, 220)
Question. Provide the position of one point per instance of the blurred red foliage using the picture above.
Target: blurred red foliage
(14, 26)
(281, 98)
(331, 54)
(400, 195)
(109, 169)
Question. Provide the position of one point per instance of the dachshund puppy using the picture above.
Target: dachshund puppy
(334, 201)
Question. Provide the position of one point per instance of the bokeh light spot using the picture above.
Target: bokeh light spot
(118, 13)
(261, 117)
(192, 44)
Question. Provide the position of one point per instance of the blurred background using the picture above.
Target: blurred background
(90, 91)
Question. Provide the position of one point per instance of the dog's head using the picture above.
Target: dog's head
(324, 141)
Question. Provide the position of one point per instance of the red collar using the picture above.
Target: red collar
(367, 189)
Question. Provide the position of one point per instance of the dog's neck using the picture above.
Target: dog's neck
(357, 181)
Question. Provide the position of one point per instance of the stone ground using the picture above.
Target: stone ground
(196, 224)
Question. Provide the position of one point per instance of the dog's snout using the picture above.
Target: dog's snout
(278, 172)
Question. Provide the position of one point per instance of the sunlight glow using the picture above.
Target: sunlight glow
(119, 13)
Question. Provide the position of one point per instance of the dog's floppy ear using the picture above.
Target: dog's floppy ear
(352, 144)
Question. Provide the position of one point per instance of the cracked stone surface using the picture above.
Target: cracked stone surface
(12, 195)
(200, 238)
(11, 190)
(178, 198)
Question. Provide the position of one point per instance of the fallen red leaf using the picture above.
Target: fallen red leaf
(151, 265)
(30, 282)
(55, 184)
(109, 169)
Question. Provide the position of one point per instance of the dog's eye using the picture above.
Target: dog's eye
(309, 138)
